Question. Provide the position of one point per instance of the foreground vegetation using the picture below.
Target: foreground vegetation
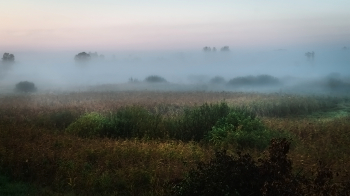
(161, 143)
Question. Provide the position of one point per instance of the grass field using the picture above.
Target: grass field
(148, 142)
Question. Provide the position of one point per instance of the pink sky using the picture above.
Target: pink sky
(151, 25)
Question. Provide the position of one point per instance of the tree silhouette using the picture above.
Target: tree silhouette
(310, 55)
(93, 54)
(82, 57)
(225, 49)
(206, 49)
(7, 57)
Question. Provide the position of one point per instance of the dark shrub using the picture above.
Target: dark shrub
(82, 57)
(337, 84)
(223, 175)
(128, 122)
(272, 175)
(59, 120)
(155, 79)
(196, 122)
(8, 58)
(227, 175)
(62, 119)
(25, 86)
(131, 122)
(266, 80)
(247, 80)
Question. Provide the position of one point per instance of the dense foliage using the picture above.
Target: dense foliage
(215, 123)
(273, 175)
(155, 79)
(195, 123)
(243, 130)
(25, 86)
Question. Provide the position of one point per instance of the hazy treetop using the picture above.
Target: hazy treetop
(7, 57)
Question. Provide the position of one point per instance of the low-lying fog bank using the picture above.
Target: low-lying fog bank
(283, 71)
(329, 85)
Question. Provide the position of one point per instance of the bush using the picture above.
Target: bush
(131, 122)
(59, 120)
(25, 86)
(223, 175)
(62, 119)
(82, 57)
(337, 84)
(155, 79)
(273, 175)
(128, 122)
(267, 80)
(8, 58)
(242, 129)
(195, 123)
(89, 125)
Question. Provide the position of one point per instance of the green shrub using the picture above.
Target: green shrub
(134, 121)
(196, 122)
(242, 129)
(88, 125)
(25, 87)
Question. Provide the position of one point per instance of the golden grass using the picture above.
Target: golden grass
(319, 142)
(65, 162)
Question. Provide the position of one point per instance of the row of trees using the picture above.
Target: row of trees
(310, 55)
(8, 58)
(6, 63)
(223, 49)
(84, 57)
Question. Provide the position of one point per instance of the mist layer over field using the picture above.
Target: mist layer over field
(290, 70)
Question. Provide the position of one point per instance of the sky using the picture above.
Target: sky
(117, 25)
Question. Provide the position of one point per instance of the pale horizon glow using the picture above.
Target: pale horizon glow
(170, 25)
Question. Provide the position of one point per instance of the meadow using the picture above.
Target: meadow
(174, 143)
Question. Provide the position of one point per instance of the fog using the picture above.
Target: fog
(327, 72)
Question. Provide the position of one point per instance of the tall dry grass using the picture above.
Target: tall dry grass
(89, 166)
